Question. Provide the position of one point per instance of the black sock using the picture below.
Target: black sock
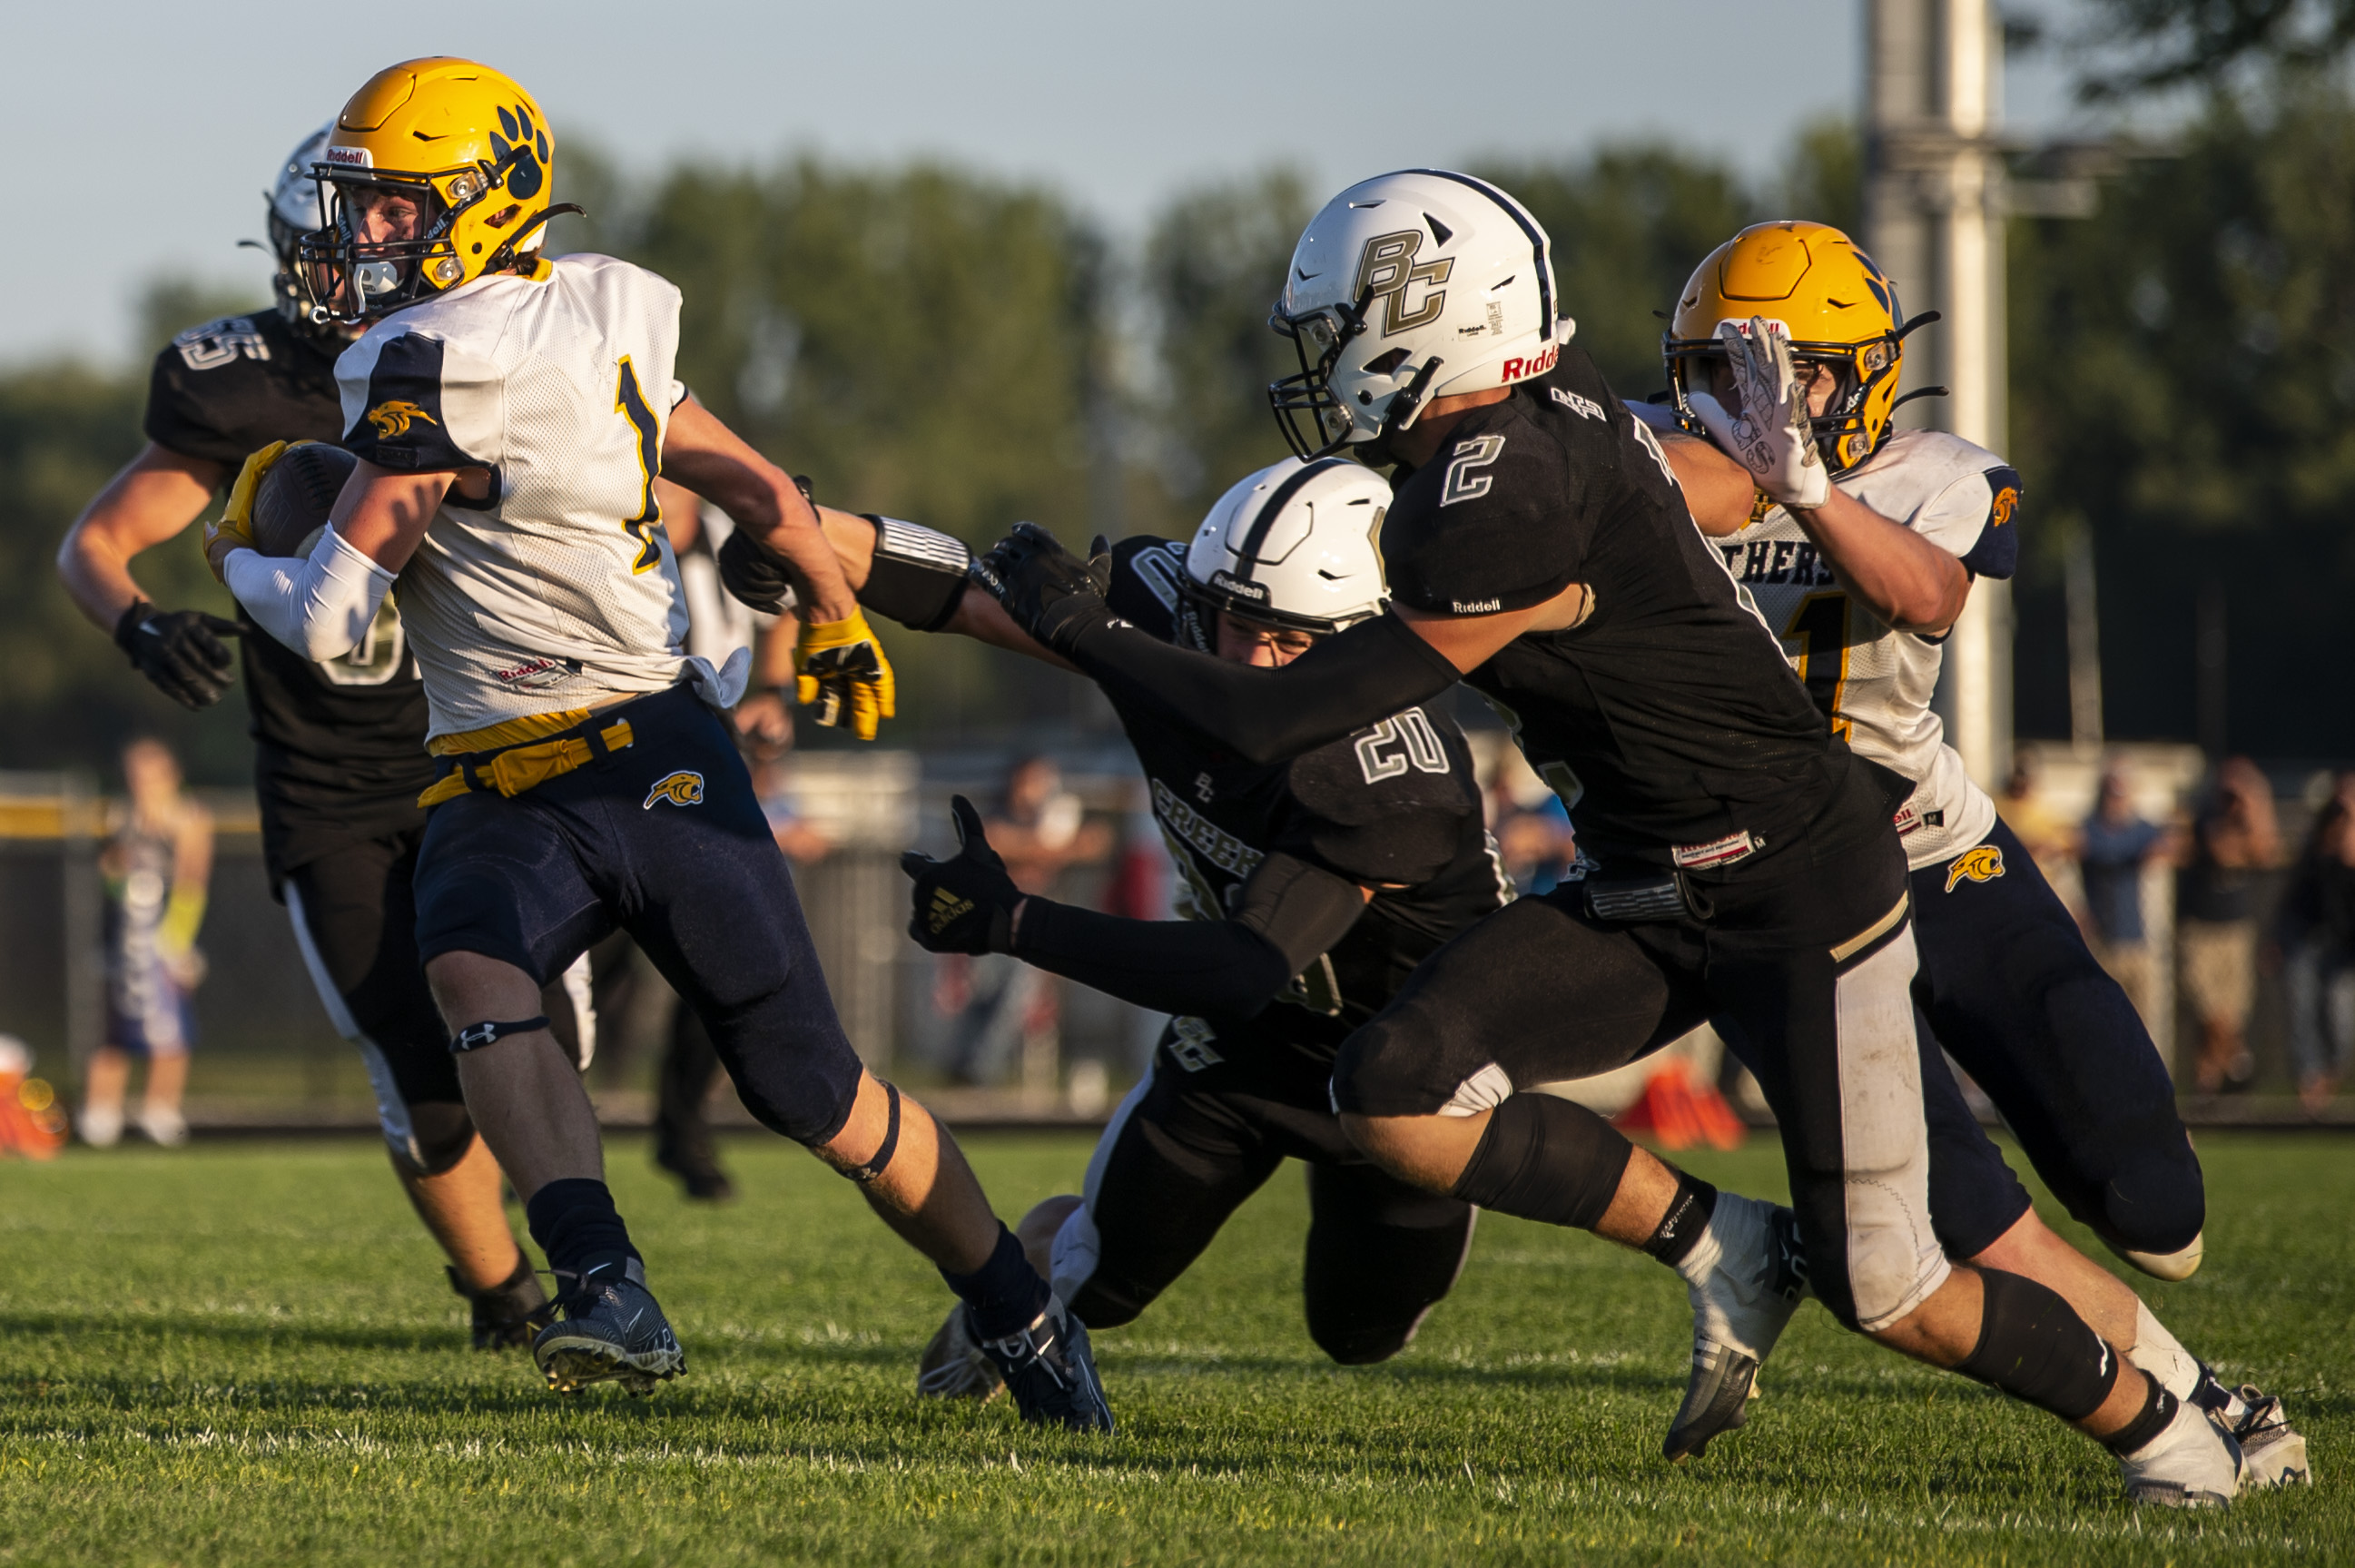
(1005, 1293)
(576, 1224)
(2158, 1408)
(1687, 1217)
(1541, 1158)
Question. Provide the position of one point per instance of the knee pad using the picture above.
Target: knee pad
(440, 1136)
(1544, 1158)
(2034, 1347)
(2156, 1206)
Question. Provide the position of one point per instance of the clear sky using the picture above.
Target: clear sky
(146, 128)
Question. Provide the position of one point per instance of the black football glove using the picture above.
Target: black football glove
(180, 651)
(964, 904)
(753, 575)
(1052, 593)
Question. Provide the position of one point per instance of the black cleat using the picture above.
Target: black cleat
(1050, 1370)
(611, 1331)
(507, 1314)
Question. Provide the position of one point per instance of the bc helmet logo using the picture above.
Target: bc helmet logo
(681, 788)
(391, 417)
(1982, 863)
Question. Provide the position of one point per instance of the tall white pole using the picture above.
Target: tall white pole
(1934, 220)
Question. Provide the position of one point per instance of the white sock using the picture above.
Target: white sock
(1732, 1211)
(2157, 1352)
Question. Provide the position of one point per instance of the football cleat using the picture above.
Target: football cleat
(2192, 1463)
(2273, 1452)
(611, 1331)
(1746, 1293)
(954, 1367)
(507, 1314)
(1051, 1371)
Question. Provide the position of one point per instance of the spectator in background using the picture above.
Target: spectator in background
(2113, 844)
(2233, 840)
(155, 869)
(1535, 842)
(1003, 1004)
(2039, 828)
(2318, 938)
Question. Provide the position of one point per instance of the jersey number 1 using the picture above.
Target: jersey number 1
(1820, 628)
(631, 404)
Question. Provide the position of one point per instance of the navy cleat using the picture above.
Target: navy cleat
(611, 1331)
(1050, 1370)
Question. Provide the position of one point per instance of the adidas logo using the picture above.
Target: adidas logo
(947, 909)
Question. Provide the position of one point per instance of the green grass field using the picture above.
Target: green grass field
(246, 1353)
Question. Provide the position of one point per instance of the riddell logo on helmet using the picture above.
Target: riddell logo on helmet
(1538, 364)
(1254, 591)
(348, 157)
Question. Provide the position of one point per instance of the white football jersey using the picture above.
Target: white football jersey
(1873, 682)
(559, 588)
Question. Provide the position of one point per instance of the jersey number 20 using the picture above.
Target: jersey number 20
(631, 404)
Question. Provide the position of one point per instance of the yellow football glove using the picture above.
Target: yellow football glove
(839, 664)
(233, 530)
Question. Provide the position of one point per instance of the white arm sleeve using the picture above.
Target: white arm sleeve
(320, 607)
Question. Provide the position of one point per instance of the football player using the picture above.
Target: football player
(1543, 549)
(1786, 345)
(511, 415)
(1309, 889)
(339, 744)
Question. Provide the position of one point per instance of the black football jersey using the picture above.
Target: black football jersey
(340, 744)
(1667, 720)
(1395, 806)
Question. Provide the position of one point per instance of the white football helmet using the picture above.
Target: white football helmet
(294, 212)
(1294, 545)
(1407, 287)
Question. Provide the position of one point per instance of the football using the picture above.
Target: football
(296, 496)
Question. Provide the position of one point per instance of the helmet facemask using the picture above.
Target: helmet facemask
(391, 274)
(1843, 434)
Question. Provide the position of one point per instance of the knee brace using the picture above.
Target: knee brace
(2034, 1347)
(440, 1134)
(1544, 1158)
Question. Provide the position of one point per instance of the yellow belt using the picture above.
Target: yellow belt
(518, 768)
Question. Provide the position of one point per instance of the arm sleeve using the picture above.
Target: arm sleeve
(320, 607)
(1346, 682)
(1208, 968)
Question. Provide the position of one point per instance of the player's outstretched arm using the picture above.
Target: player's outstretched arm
(706, 457)
(1346, 682)
(917, 576)
(1290, 913)
(156, 495)
(323, 605)
(1908, 582)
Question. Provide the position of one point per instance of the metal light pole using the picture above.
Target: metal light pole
(1934, 219)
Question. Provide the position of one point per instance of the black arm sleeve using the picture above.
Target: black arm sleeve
(1205, 968)
(918, 577)
(1346, 682)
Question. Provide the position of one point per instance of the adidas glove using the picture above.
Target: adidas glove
(966, 903)
(233, 530)
(1772, 437)
(181, 651)
(1051, 593)
(839, 665)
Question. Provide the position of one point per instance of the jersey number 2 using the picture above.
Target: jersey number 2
(631, 404)
(1820, 628)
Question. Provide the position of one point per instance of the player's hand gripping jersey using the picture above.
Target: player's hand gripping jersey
(1873, 682)
(557, 586)
(341, 742)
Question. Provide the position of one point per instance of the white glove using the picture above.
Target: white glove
(1773, 437)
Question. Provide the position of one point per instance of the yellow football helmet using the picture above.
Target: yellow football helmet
(1834, 305)
(463, 141)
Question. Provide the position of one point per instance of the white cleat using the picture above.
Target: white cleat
(954, 1366)
(1745, 1277)
(2192, 1463)
(2273, 1452)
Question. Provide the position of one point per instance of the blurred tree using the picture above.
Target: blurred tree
(1213, 267)
(2150, 44)
(2183, 379)
(1628, 227)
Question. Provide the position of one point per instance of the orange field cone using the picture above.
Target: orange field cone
(32, 1122)
(1679, 1113)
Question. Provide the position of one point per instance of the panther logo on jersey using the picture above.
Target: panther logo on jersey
(2007, 501)
(1982, 863)
(681, 788)
(391, 417)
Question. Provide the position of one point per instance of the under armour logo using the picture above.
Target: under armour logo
(1203, 789)
(478, 1036)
